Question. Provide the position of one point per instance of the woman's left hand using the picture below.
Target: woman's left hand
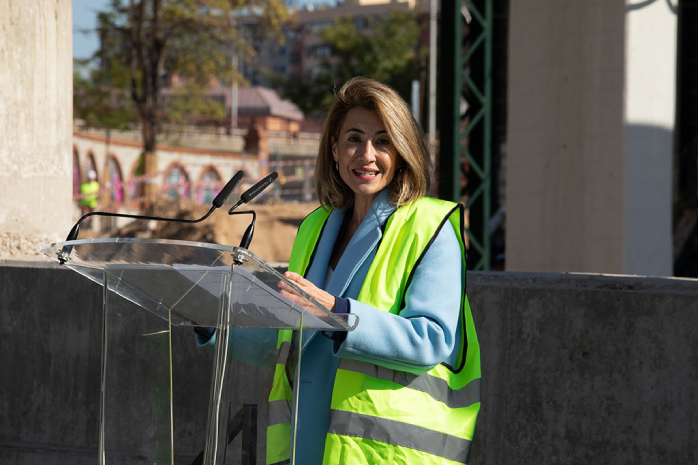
(325, 299)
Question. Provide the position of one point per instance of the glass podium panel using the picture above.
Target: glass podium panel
(150, 362)
(183, 280)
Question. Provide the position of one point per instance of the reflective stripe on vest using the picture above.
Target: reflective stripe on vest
(385, 416)
(280, 399)
(437, 388)
(418, 445)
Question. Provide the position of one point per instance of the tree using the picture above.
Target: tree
(386, 48)
(98, 100)
(191, 39)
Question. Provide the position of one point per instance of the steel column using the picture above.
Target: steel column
(466, 136)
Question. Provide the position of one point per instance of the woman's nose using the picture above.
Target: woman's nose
(369, 152)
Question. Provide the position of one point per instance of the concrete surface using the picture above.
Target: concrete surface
(591, 98)
(36, 112)
(576, 369)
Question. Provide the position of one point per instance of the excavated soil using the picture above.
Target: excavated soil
(275, 227)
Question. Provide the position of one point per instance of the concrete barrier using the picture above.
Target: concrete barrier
(576, 369)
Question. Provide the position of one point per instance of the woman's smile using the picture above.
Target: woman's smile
(365, 174)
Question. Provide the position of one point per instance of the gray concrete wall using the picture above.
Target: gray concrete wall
(589, 136)
(576, 369)
(36, 111)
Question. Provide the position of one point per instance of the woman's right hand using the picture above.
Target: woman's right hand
(325, 299)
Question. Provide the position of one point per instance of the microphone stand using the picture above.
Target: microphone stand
(239, 259)
(245, 197)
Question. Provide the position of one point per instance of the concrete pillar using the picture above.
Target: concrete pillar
(650, 105)
(36, 111)
(590, 122)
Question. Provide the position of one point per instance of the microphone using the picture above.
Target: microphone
(245, 197)
(255, 190)
(223, 195)
(218, 201)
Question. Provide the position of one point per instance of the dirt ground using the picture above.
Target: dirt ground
(275, 229)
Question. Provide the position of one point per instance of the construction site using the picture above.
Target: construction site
(580, 147)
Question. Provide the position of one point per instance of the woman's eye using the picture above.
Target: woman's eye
(382, 142)
(354, 139)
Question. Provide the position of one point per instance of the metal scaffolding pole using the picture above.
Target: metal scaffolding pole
(466, 117)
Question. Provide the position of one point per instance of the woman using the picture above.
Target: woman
(404, 386)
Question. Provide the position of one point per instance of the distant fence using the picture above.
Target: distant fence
(295, 182)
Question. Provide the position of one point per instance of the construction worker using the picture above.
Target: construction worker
(88, 194)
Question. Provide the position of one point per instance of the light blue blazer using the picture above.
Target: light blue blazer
(421, 337)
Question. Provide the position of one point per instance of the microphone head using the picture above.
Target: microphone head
(223, 195)
(255, 190)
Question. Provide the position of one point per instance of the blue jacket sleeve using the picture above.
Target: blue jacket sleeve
(424, 334)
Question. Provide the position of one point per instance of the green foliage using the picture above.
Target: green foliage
(144, 43)
(384, 48)
(190, 105)
(100, 98)
(311, 94)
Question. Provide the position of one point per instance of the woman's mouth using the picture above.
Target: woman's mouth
(363, 174)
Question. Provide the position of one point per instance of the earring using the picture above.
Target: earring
(336, 165)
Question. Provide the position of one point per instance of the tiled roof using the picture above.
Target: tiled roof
(262, 98)
(259, 100)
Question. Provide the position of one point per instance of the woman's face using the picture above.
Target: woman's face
(366, 156)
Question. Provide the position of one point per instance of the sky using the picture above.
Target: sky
(85, 17)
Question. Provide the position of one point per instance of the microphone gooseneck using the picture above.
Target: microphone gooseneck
(249, 232)
(245, 197)
(217, 202)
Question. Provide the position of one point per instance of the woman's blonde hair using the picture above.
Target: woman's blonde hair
(412, 175)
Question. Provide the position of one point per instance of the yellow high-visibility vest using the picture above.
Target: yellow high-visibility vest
(379, 415)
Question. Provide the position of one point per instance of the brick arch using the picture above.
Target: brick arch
(183, 190)
(114, 179)
(209, 184)
(90, 163)
(77, 173)
(134, 189)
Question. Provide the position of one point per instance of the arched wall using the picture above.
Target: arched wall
(182, 191)
(202, 187)
(115, 186)
(77, 172)
(194, 162)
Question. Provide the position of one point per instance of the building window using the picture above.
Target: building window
(322, 51)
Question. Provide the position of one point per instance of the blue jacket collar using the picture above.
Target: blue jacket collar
(361, 246)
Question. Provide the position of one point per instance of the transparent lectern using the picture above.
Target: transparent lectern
(188, 284)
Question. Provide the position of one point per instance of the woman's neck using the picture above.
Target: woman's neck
(362, 205)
